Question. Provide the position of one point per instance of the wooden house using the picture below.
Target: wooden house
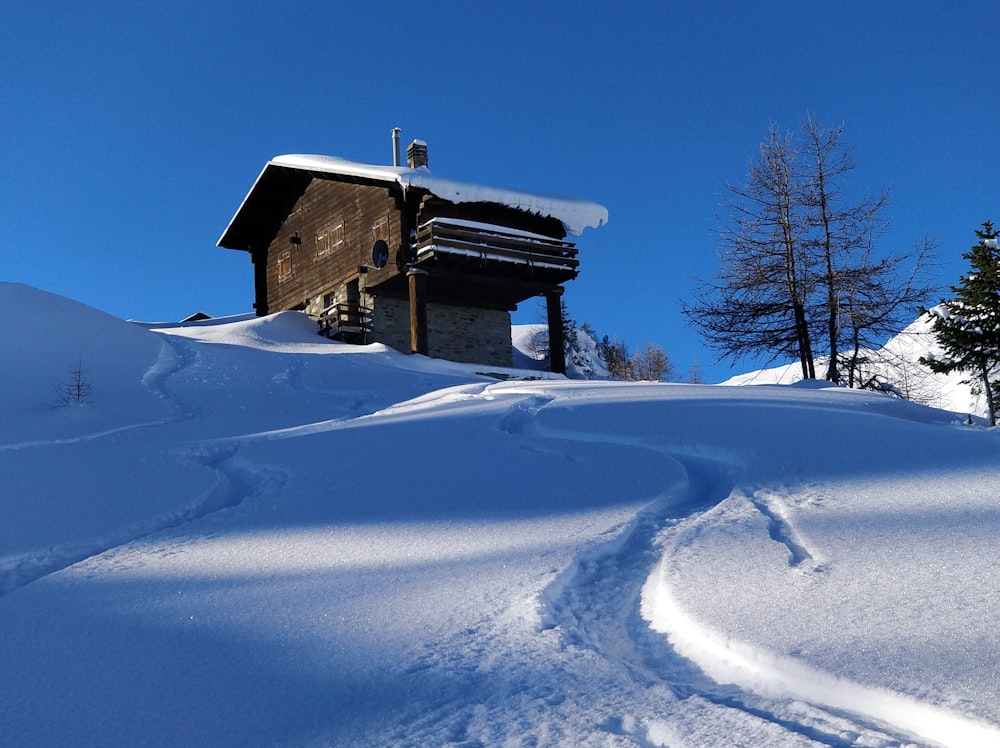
(397, 255)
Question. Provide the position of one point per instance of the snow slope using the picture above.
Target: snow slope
(898, 363)
(254, 536)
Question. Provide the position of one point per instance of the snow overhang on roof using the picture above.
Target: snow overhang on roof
(575, 214)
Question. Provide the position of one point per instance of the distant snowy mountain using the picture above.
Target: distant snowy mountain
(897, 363)
(252, 536)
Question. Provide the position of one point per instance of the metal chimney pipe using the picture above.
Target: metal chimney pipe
(395, 146)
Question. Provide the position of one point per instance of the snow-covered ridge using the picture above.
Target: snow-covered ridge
(898, 363)
(575, 214)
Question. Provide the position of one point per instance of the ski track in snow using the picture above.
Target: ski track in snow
(522, 412)
(233, 486)
(781, 679)
(176, 354)
(599, 609)
(596, 606)
(592, 607)
(782, 531)
(233, 483)
(171, 359)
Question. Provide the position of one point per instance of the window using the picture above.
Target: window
(329, 238)
(285, 266)
(380, 230)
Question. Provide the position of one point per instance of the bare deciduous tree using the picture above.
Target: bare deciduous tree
(651, 364)
(880, 298)
(798, 275)
(758, 302)
(695, 374)
(839, 229)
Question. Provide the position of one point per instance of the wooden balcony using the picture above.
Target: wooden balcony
(482, 264)
(469, 244)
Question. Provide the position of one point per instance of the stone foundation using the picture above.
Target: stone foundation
(455, 333)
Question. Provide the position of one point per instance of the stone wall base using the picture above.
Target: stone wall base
(455, 333)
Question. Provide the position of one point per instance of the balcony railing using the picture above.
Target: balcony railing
(347, 322)
(494, 244)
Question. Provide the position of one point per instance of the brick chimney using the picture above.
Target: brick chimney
(416, 154)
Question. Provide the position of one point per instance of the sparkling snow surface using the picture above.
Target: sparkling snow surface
(253, 536)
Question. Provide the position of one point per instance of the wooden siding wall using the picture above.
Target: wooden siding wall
(336, 224)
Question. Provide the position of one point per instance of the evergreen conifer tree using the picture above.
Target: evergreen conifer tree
(967, 327)
(616, 357)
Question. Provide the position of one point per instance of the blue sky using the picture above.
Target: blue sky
(130, 132)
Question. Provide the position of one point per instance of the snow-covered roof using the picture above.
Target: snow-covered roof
(575, 214)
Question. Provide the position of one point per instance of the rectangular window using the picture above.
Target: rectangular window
(285, 266)
(380, 230)
(329, 238)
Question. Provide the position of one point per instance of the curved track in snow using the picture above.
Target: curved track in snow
(472, 605)
(600, 608)
(233, 483)
(617, 603)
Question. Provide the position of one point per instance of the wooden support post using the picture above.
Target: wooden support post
(557, 353)
(259, 260)
(418, 310)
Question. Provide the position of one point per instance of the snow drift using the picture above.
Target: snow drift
(254, 536)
